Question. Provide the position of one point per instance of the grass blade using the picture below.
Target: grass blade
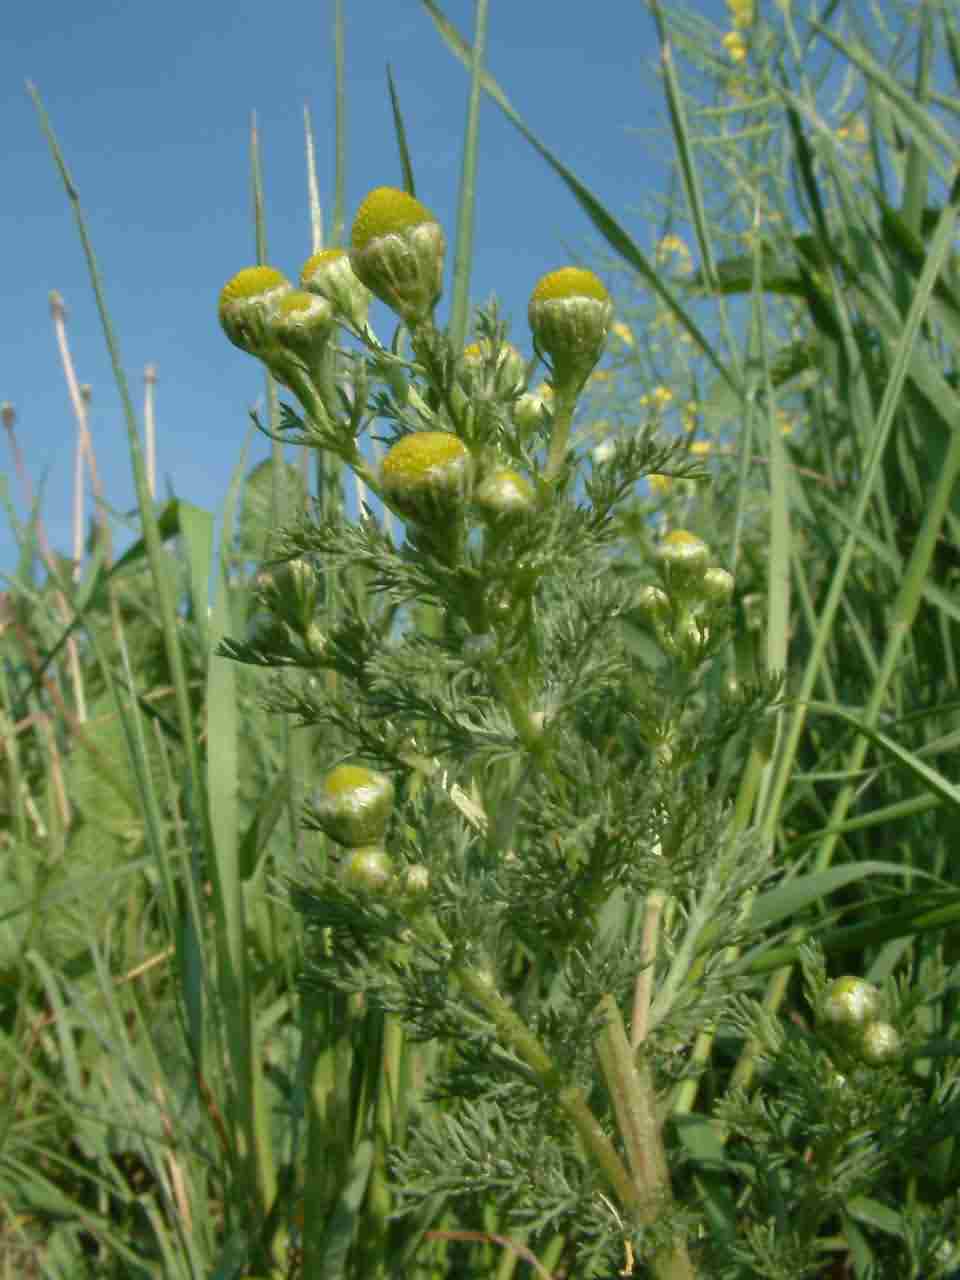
(398, 127)
(463, 256)
(602, 219)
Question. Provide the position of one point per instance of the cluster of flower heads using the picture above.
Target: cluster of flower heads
(851, 1017)
(353, 806)
(396, 254)
(690, 608)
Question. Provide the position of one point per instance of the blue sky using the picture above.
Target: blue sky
(152, 105)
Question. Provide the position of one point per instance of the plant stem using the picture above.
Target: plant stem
(642, 1199)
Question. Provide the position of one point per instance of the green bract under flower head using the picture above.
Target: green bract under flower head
(427, 474)
(246, 302)
(330, 274)
(570, 314)
(397, 251)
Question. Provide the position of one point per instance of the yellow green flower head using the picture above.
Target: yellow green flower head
(427, 474)
(570, 282)
(245, 303)
(353, 804)
(683, 560)
(251, 282)
(318, 260)
(385, 211)
(397, 251)
(570, 313)
(330, 275)
(849, 1005)
(299, 306)
(879, 1044)
(299, 327)
(504, 495)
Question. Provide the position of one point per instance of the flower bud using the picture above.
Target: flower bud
(683, 560)
(290, 590)
(570, 313)
(532, 411)
(367, 869)
(316, 640)
(504, 495)
(246, 303)
(330, 275)
(849, 1005)
(427, 475)
(716, 587)
(397, 251)
(879, 1044)
(353, 804)
(655, 610)
(416, 880)
(510, 373)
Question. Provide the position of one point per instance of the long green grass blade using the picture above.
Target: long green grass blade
(339, 127)
(463, 255)
(406, 164)
(602, 219)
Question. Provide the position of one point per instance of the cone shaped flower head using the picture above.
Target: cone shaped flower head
(850, 1005)
(353, 805)
(427, 475)
(683, 560)
(330, 275)
(301, 323)
(397, 249)
(367, 870)
(570, 314)
(246, 303)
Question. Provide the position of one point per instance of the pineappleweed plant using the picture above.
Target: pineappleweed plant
(527, 851)
(512, 799)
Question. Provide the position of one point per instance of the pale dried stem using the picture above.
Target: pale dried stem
(643, 988)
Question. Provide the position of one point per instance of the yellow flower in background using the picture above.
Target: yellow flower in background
(741, 12)
(735, 46)
(674, 247)
(660, 485)
(784, 422)
(624, 333)
(659, 398)
(701, 447)
(689, 415)
(601, 375)
(855, 131)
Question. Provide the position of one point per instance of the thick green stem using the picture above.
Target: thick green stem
(565, 402)
(642, 1196)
